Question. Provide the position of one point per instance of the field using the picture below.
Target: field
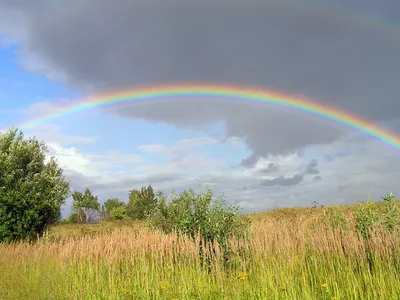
(297, 253)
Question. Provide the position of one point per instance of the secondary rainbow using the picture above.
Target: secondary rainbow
(222, 93)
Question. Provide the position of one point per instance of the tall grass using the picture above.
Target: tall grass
(291, 254)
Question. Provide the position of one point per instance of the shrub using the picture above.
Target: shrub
(366, 218)
(190, 214)
(391, 213)
(110, 204)
(118, 213)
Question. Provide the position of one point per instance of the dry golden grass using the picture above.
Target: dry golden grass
(287, 257)
(282, 231)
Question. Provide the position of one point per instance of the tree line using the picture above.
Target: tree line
(33, 189)
(87, 209)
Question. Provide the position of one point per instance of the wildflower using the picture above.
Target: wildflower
(164, 286)
(124, 290)
(324, 285)
(242, 276)
(334, 298)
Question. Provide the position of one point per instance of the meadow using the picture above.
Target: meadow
(347, 252)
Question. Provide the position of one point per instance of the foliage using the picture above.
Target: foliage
(190, 214)
(32, 187)
(86, 206)
(118, 213)
(141, 203)
(110, 204)
(391, 213)
(367, 218)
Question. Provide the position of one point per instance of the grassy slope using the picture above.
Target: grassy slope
(288, 257)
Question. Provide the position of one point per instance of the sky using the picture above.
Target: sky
(344, 54)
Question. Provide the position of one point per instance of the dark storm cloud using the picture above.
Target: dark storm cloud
(283, 181)
(282, 45)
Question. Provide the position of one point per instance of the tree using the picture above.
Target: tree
(86, 206)
(32, 187)
(141, 203)
(115, 209)
(110, 204)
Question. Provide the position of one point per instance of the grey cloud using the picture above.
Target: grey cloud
(250, 161)
(281, 45)
(312, 168)
(317, 178)
(283, 181)
(271, 168)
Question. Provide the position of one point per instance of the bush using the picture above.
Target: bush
(118, 213)
(367, 218)
(110, 204)
(391, 213)
(190, 214)
(31, 189)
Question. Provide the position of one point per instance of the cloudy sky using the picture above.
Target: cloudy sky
(341, 53)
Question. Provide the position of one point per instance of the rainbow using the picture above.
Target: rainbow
(223, 93)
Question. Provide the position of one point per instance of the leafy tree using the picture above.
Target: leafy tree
(141, 203)
(86, 206)
(115, 209)
(32, 187)
(190, 214)
(110, 204)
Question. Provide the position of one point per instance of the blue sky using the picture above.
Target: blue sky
(259, 156)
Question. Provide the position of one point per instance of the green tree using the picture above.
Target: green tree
(110, 204)
(141, 203)
(32, 187)
(86, 206)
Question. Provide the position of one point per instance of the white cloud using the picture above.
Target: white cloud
(51, 133)
(72, 159)
(152, 148)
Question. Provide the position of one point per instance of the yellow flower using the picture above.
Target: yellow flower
(124, 290)
(324, 285)
(164, 286)
(334, 298)
(242, 276)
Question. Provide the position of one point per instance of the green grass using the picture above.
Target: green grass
(268, 278)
